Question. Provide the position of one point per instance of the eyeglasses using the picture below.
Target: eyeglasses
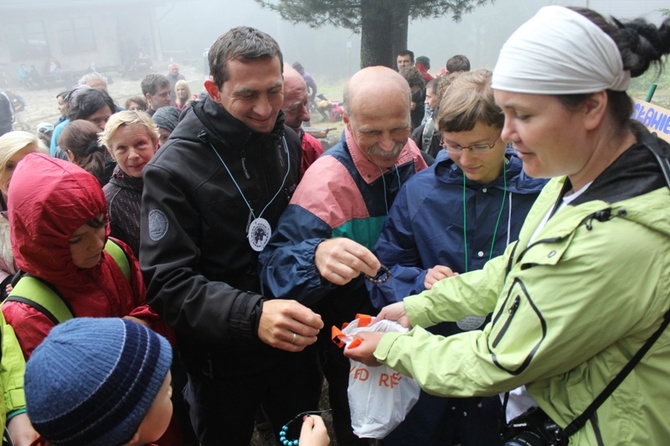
(475, 148)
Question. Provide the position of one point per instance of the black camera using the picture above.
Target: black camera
(534, 428)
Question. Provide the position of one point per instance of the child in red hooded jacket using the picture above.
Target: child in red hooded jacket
(59, 227)
(58, 221)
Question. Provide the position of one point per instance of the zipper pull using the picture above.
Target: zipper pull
(244, 167)
(515, 305)
(281, 158)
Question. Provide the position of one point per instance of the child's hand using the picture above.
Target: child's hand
(313, 432)
(136, 320)
(22, 432)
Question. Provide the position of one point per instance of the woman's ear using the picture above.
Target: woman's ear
(595, 109)
(70, 156)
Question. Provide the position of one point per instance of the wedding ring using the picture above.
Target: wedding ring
(293, 338)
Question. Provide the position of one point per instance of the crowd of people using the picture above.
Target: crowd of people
(171, 269)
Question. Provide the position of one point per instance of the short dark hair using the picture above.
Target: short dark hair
(431, 86)
(241, 43)
(139, 100)
(405, 53)
(413, 76)
(152, 82)
(88, 102)
(423, 60)
(62, 94)
(458, 63)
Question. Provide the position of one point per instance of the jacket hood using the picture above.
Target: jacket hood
(638, 183)
(518, 182)
(48, 200)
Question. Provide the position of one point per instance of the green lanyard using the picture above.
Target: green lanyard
(495, 230)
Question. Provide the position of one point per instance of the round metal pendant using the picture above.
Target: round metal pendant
(259, 234)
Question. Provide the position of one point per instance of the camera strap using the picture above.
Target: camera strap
(581, 420)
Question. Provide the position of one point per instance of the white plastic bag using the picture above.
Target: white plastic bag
(379, 397)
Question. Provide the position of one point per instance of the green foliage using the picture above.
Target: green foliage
(665, 11)
(383, 24)
(347, 13)
(316, 13)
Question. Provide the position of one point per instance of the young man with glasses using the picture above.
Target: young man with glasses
(451, 218)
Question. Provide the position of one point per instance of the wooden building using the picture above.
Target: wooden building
(111, 34)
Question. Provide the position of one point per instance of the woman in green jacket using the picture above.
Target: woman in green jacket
(587, 283)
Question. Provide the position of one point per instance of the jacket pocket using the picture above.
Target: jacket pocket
(517, 330)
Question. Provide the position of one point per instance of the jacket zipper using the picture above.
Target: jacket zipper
(511, 311)
(244, 166)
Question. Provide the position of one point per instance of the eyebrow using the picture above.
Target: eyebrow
(479, 141)
(512, 105)
(251, 90)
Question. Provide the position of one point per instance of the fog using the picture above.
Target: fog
(187, 28)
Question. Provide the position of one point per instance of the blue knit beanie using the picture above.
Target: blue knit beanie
(93, 380)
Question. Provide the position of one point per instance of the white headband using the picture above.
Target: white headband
(559, 51)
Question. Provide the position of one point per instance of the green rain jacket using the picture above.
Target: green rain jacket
(569, 309)
(12, 369)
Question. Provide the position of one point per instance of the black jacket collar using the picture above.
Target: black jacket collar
(225, 128)
(636, 172)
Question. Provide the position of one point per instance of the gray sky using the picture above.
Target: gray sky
(189, 27)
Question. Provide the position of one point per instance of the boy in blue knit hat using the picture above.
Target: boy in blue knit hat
(100, 381)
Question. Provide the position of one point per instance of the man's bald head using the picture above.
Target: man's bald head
(370, 84)
(292, 78)
(377, 114)
(295, 99)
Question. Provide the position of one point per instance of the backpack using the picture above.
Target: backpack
(47, 300)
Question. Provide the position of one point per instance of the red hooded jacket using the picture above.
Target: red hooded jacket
(50, 199)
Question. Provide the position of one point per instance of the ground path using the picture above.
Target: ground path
(41, 103)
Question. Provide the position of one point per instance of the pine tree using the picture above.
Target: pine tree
(382, 24)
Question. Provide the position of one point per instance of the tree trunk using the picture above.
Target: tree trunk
(376, 45)
(399, 25)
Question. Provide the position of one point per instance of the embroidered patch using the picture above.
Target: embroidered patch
(158, 225)
(470, 322)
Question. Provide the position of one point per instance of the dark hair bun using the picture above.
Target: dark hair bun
(647, 43)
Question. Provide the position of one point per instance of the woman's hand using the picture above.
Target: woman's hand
(364, 351)
(395, 312)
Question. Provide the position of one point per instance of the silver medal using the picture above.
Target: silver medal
(259, 234)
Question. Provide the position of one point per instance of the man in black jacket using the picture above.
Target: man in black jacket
(212, 197)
